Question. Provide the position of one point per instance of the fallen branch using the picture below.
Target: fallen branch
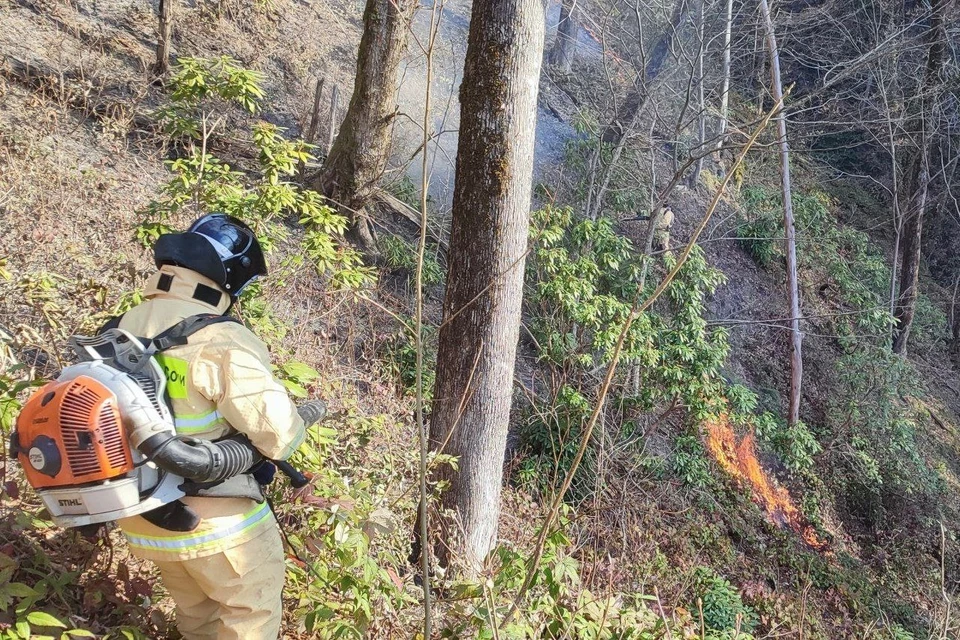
(403, 209)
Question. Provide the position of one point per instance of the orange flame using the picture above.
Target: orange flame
(740, 461)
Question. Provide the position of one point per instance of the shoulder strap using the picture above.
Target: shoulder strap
(112, 323)
(176, 336)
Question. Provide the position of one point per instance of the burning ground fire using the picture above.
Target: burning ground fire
(740, 461)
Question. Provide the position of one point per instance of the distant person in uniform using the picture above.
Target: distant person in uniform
(662, 222)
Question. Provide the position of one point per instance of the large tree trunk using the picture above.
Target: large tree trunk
(358, 157)
(919, 174)
(488, 240)
(637, 98)
(164, 32)
(564, 47)
(793, 290)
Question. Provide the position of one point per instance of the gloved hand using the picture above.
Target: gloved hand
(263, 473)
(312, 412)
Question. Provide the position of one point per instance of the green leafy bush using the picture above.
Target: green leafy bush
(400, 356)
(203, 95)
(796, 446)
(723, 608)
(583, 279)
(553, 435)
(556, 606)
(930, 327)
(758, 232)
(690, 462)
(401, 255)
(876, 451)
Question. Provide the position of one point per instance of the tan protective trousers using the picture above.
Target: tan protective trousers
(232, 595)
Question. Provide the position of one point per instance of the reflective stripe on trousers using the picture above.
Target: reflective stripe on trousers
(194, 542)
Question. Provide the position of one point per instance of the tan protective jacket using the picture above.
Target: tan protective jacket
(663, 222)
(219, 384)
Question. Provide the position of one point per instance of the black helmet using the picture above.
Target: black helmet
(217, 246)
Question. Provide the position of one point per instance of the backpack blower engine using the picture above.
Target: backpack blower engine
(99, 444)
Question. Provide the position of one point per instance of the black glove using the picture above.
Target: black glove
(263, 473)
(313, 412)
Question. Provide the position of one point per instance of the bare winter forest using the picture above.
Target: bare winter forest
(636, 319)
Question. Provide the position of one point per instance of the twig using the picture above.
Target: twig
(943, 582)
(421, 249)
(663, 616)
(703, 624)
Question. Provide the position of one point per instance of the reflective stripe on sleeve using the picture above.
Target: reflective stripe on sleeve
(188, 542)
(197, 422)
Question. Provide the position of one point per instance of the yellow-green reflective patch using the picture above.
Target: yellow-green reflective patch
(176, 371)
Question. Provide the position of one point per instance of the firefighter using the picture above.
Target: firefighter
(227, 574)
(662, 225)
(662, 222)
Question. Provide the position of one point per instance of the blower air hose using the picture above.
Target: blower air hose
(206, 461)
(201, 460)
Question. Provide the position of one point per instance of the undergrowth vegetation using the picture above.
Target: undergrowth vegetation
(732, 570)
(875, 460)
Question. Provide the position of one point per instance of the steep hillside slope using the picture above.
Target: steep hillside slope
(667, 528)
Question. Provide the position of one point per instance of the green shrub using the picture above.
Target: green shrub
(723, 608)
(401, 255)
(930, 328)
(876, 451)
(400, 356)
(690, 462)
(796, 446)
(552, 436)
(203, 94)
(759, 231)
(583, 279)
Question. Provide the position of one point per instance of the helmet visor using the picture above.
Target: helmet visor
(226, 237)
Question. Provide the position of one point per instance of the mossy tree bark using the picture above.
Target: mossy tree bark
(356, 161)
(488, 242)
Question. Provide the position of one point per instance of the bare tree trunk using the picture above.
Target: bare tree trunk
(919, 175)
(314, 122)
(793, 291)
(637, 99)
(910, 270)
(725, 90)
(488, 240)
(701, 103)
(955, 325)
(164, 32)
(597, 202)
(358, 157)
(897, 217)
(565, 46)
(334, 107)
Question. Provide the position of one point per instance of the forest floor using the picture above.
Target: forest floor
(76, 166)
